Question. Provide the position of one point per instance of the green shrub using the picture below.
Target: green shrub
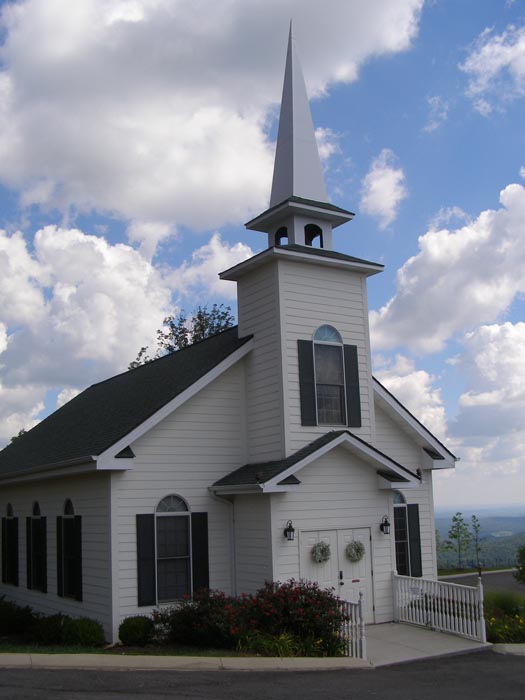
(519, 574)
(83, 632)
(136, 631)
(263, 644)
(48, 630)
(503, 603)
(14, 619)
(505, 617)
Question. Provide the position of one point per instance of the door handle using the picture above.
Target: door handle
(341, 582)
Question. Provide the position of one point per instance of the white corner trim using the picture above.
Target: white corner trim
(106, 459)
(423, 432)
(354, 445)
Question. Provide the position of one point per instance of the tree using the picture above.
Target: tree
(178, 332)
(519, 574)
(458, 537)
(21, 432)
(476, 539)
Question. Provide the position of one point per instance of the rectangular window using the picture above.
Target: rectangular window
(330, 385)
(69, 557)
(10, 551)
(173, 557)
(37, 554)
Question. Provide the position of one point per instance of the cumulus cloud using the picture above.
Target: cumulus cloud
(496, 68)
(327, 143)
(146, 109)
(415, 389)
(201, 275)
(438, 109)
(459, 279)
(383, 189)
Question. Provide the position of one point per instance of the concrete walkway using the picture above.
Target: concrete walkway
(387, 644)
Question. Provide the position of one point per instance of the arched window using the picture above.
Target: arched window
(10, 547)
(36, 549)
(313, 234)
(69, 553)
(281, 236)
(173, 549)
(329, 376)
(407, 536)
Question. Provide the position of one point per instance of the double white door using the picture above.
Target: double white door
(346, 577)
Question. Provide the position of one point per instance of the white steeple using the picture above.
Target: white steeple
(297, 170)
(300, 212)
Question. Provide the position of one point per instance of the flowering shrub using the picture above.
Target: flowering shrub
(292, 618)
(505, 618)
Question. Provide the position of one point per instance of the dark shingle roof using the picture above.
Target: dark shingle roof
(105, 412)
(260, 473)
(324, 253)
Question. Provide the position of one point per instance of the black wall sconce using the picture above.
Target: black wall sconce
(289, 531)
(385, 525)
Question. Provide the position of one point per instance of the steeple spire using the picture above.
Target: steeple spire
(297, 170)
(300, 213)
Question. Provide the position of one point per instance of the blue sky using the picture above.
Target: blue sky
(137, 136)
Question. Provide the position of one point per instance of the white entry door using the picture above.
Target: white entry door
(346, 577)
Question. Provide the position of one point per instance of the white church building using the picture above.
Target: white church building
(224, 464)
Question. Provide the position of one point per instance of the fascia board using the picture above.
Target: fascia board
(106, 460)
(48, 473)
(236, 490)
(416, 426)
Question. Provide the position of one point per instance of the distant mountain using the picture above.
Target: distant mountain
(491, 525)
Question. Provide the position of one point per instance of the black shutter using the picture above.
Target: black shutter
(146, 560)
(42, 544)
(77, 575)
(4, 550)
(12, 533)
(414, 540)
(199, 551)
(60, 558)
(29, 553)
(353, 398)
(307, 382)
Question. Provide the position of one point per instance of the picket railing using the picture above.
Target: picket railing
(353, 629)
(448, 607)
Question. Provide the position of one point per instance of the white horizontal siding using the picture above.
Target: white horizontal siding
(185, 454)
(258, 311)
(90, 496)
(252, 542)
(338, 491)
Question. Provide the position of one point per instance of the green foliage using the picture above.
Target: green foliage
(21, 432)
(48, 630)
(519, 575)
(459, 537)
(83, 632)
(178, 332)
(15, 620)
(475, 526)
(296, 618)
(505, 617)
(136, 631)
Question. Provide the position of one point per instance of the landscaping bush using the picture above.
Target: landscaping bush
(48, 630)
(505, 617)
(15, 620)
(136, 631)
(83, 632)
(293, 618)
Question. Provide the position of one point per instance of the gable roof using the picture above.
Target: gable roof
(106, 412)
(278, 472)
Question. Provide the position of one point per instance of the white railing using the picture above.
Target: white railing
(353, 628)
(448, 607)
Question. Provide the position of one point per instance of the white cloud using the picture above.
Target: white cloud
(327, 143)
(459, 279)
(383, 189)
(149, 234)
(496, 68)
(438, 109)
(415, 389)
(74, 309)
(201, 275)
(66, 395)
(522, 171)
(154, 111)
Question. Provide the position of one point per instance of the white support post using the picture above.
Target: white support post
(362, 636)
(481, 616)
(395, 589)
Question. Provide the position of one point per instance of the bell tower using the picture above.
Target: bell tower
(299, 211)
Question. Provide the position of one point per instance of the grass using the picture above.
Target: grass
(451, 572)
(8, 647)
